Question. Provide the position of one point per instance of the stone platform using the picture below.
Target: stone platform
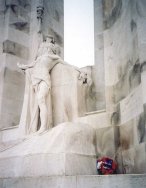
(68, 149)
(112, 181)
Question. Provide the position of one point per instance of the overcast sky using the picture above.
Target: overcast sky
(78, 32)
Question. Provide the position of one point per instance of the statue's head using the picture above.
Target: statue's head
(49, 38)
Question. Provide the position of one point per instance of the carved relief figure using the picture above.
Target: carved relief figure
(39, 83)
(37, 105)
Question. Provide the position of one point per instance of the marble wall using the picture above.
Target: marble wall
(123, 58)
(14, 40)
(98, 70)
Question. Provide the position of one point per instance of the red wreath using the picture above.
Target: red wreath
(106, 166)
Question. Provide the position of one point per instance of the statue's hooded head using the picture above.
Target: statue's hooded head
(50, 38)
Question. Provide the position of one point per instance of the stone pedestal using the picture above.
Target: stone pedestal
(68, 149)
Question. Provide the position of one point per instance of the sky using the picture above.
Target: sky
(78, 32)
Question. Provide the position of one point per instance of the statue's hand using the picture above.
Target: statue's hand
(21, 66)
(83, 77)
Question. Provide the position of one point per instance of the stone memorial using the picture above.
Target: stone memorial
(57, 119)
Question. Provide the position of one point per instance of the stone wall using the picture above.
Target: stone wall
(14, 40)
(98, 70)
(123, 44)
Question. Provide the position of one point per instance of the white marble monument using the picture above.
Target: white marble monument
(37, 105)
(60, 133)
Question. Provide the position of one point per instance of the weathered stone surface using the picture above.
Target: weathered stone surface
(120, 45)
(124, 66)
(127, 139)
(18, 41)
(68, 149)
(45, 182)
(9, 135)
(112, 11)
(99, 71)
(134, 159)
(120, 181)
(107, 141)
(131, 106)
(96, 119)
(15, 49)
(116, 181)
(70, 97)
(65, 94)
(143, 80)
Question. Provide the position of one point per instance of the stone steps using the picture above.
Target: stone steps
(96, 181)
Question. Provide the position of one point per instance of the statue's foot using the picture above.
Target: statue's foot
(42, 130)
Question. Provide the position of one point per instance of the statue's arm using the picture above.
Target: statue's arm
(57, 59)
(76, 68)
(54, 57)
(82, 75)
(24, 67)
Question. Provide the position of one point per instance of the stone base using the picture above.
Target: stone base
(113, 181)
(68, 149)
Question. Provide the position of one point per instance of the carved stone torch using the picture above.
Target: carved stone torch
(40, 12)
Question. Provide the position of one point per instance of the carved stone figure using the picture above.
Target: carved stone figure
(38, 86)
(37, 106)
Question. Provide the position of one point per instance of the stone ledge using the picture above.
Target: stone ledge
(112, 181)
(95, 112)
